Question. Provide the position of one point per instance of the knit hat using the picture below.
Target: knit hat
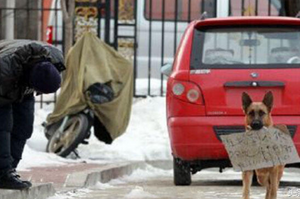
(44, 77)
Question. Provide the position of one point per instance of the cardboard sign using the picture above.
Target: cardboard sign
(260, 149)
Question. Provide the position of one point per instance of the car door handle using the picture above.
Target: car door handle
(255, 84)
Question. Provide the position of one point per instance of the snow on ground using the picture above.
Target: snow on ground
(146, 137)
(33, 158)
(71, 194)
(139, 192)
(140, 175)
(38, 141)
(155, 84)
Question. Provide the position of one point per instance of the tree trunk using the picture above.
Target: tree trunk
(68, 8)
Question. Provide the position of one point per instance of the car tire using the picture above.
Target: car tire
(182, 173)
(76, 128)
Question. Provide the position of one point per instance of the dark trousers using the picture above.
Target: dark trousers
(16, 126)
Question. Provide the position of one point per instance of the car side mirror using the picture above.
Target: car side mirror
(166, 69)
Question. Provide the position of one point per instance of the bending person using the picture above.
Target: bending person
(25, 66)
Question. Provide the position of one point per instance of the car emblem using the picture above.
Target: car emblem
(254, 75)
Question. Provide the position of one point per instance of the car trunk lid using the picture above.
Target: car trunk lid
(222, 89)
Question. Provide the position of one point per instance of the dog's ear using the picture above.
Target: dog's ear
(268, 100)
(246, 101)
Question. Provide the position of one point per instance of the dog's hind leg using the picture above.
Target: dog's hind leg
(247, 181)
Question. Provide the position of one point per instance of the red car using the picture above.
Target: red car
(216, 61)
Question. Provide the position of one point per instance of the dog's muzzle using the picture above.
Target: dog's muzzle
(256, 124)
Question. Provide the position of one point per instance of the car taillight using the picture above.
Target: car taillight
(178, 89)
(187, 91)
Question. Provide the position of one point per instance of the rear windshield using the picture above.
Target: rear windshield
(246, 47)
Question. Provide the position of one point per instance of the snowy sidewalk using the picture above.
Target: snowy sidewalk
(58, 175)
(48, 180)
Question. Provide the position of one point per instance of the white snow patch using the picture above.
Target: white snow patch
(71, 194)
(115, 182)
(291, 174)
(38, 141)
(139, 192)
(155, 86)
(101, 186)
(147, 173)
(140, 175)
(57, 196)
(78, 192)
(146, 137)
(32, 158)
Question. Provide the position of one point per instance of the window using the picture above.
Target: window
(246, 47)
(187, 10)
(249, 7)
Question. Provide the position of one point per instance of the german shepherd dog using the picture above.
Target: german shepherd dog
(258, 115)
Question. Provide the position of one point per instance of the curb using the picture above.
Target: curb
(38, 191)
(104, 175)
(112, 173)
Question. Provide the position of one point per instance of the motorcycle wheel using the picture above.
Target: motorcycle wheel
(74, 132)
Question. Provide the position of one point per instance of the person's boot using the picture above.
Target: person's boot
(11, 180)
(14, 172)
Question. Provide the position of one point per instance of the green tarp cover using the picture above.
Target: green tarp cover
(90, 61)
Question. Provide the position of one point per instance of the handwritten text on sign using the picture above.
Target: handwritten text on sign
(260, 149)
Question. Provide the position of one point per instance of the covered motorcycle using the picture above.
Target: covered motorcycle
(99, 79)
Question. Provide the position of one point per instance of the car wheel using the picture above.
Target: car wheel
(182, 172)
(74, 132)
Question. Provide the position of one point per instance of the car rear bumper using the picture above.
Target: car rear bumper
(195, 138)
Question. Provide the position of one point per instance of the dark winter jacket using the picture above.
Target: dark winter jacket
(16, 58)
